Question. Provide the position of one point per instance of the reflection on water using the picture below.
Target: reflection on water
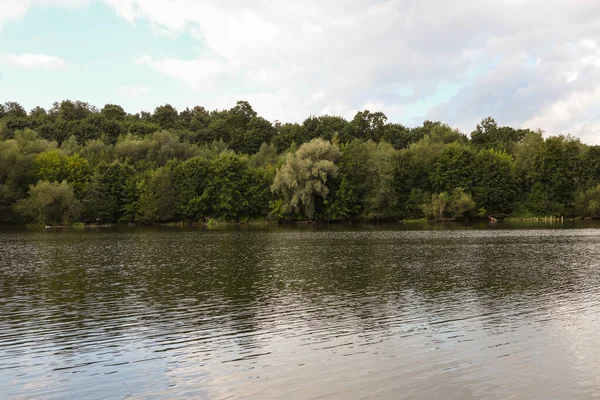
(300, 313)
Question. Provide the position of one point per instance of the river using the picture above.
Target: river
(341, 312)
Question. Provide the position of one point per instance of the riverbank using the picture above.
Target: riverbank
(417, 224)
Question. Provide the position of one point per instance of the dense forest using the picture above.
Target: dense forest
(77, 163)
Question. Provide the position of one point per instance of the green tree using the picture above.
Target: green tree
(366, 176)
(223, 164)
(381, 200)
(587, 202)
(11, 125)
(196, 121)
(190, 179)
(304, 176)
(38, 114)
(108, 194)
(488, 135)
(365, 125)
(590, 163)
(139, 127)
(439, 132)
(77, 172)
(456, 205)
(157, 196)
(495, 182)
(164, 146)
(226, 190)
(113, 112)
(350, 196)
(526, 153)
(413, 171)
(17, 160)
(400, 136)
(266, 156)
(50, 166)
(286, 134)
(453, 168)
(68, 110)
(97, 152)
(437, 208)
(12, 109)
(324, 127)
(556, 171)
(165, 116)
(49, 203)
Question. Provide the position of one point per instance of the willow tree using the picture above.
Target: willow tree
(304, 176)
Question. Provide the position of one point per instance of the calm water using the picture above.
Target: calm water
(300, 313)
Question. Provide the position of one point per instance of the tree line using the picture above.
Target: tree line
(77, 163)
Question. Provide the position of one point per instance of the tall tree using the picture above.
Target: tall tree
(165, 116)
(304, 176)
(489, 135)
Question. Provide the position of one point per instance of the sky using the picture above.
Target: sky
(527, 63)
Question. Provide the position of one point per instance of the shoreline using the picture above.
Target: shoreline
(212, 224)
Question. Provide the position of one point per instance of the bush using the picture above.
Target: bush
(456, 205)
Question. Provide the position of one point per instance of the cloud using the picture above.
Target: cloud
(32, 61)
(556, 91)
(506, 59)
(195, 73)
(16, 9)
(529, 63)
(12, 9)
(132, 91)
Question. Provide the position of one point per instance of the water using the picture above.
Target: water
(332, 312)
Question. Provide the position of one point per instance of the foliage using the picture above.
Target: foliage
(525, 154)
(233, 164)
(266, 157)
(489, 135)
(109, 193)
(49, 203)
(455, 205)
(554, 175)
(588, 202)
(366, 182)
(157, 196)
(412, 171)
(305, 175)
(494, 183)
(453, 168)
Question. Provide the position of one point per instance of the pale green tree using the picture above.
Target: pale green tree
(49, 203)
(304, 176)
(456, 205)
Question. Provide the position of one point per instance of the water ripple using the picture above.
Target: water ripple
(300, 313)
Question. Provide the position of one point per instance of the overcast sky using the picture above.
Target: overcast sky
(527, 63)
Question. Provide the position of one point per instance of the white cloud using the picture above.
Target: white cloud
(12, 9)
(16, 9)
(194, 73)
(589, 132)
(32, 61)
(572, 113)
(557, 93)
(132, 91)
(524, 62)
(357, 53)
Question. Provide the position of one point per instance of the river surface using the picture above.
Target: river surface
(342, 312)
